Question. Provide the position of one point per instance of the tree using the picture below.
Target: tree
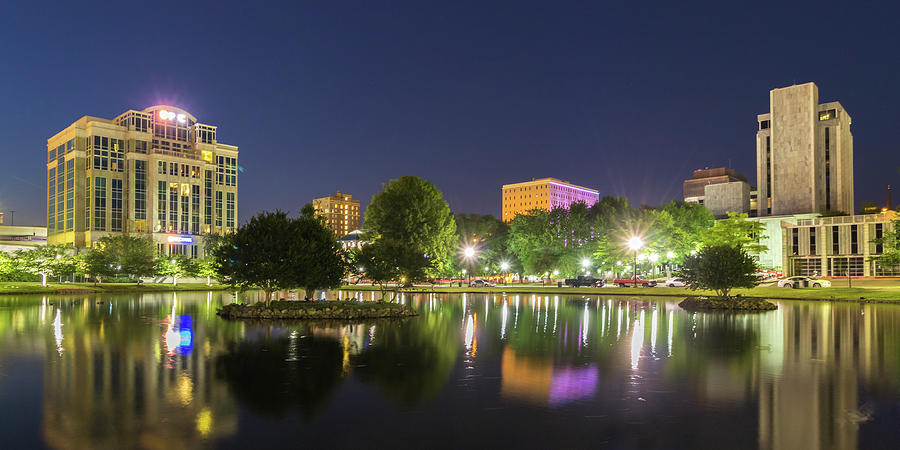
(45, 261)
(208, 267)
(489, 236)
(720, 268)
(176, 266)
(890, 242)
(274, 252)
(412, 211)
(262, 253)
(323, 265)
(114, 255)
(736, 230)
(381, 260)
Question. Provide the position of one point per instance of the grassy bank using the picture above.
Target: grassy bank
(77, 288)
(334, 310)
(881, 294)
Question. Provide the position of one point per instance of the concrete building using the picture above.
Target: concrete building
(721, 190)
(543, 193)
(804, 154)
(340, 211)
(157, 173)
(835, 246)
(13, 237)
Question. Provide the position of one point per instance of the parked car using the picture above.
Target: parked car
(629, 282)
(797, 282)
(675, 282)
(585, 281)
(481, 283)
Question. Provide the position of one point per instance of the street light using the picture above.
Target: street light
(635, 244)
(585, 263)
(504, 266)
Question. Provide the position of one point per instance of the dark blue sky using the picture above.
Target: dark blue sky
(469, 95)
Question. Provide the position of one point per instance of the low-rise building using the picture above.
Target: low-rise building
(14, 238)
(721, 190)
(836, 246)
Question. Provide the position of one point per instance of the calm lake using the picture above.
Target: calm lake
(472, 371)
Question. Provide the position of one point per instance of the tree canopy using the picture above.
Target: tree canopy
(720, 268)
(736, 230)
(133, 256)
(274, 252)
(412, 211)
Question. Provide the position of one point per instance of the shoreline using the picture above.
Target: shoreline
(852, 295)
(35, 288)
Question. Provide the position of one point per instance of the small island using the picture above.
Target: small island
(721, 268)
(727, 304)
(337, 310)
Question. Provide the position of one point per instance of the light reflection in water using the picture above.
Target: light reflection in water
(637, 341)
(57, 331)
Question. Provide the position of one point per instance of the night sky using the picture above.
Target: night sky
(627, 98)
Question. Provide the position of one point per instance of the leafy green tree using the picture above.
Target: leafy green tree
(684, 233)
(261, 254)
(890, 240)
(387, 261)
(209, 268)
(412, 211)
(736, 230)
(720, 268)
(115, 255)
(45, 261)
(274, 252)
(489, 237)
(176, 266)
(12, 269)
(323, 265)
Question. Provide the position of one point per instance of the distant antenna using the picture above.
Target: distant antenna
(889, 206)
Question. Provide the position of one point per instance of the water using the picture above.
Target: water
(477, 371)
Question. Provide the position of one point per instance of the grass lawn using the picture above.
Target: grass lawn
(68, 288)
(886, 293)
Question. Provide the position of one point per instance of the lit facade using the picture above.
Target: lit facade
(804, 154)
(836, 246)
(156, 173)
(721, 190)
(340, 211)
(543, 193)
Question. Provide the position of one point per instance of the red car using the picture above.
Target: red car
(629, 282)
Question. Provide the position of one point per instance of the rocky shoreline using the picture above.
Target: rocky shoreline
(323, 310)
(726, 304)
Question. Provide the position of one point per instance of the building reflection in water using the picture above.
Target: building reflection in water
(117, 386)
(157, 371)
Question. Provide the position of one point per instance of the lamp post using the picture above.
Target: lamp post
(504, 266)
(635, 244)
(670, 255)
(585, 264)
(654, 258)
(469, 255)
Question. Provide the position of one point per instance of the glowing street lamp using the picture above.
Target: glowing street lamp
(585, 263)
(653, 259)
(635, 244)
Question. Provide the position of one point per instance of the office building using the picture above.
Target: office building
(804, 154)
(836, 246)
(157, 173)
(543, 193)
(340, 211)
(721, 190)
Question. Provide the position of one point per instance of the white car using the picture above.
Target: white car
(481, 283)
(796, 282)
(675, 282)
